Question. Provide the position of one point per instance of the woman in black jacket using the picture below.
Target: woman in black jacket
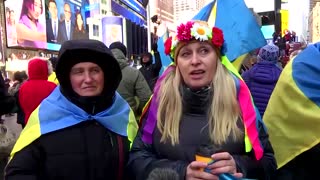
(83, 129)
(200, 105)
(79, 31)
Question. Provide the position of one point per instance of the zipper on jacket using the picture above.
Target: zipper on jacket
(93, 108)
(87, 161)
(120, 158)
(111, 140)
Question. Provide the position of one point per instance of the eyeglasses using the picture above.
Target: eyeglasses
(67, 11)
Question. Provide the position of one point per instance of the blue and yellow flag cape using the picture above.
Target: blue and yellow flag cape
(56, 112)
(242, 34)
(293, 112)
(53, 78)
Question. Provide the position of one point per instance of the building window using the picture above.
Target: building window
(96, 30)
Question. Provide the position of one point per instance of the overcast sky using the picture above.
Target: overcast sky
(260, 6)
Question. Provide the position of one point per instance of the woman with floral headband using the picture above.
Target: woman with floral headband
(200, 103)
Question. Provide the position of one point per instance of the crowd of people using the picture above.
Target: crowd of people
(288, 45)
(88, 114)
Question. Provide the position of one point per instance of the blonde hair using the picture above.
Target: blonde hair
(224, 111)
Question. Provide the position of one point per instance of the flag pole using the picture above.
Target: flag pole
(149, 27)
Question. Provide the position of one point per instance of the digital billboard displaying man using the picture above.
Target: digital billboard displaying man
(52, 22)
(46, 24)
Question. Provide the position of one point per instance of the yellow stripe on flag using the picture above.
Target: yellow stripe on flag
(238, 62)
(132, 128)
(288, 107)
(30, 133)
(213, 15)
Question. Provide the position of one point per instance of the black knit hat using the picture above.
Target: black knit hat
(86, 50)
(120, 46)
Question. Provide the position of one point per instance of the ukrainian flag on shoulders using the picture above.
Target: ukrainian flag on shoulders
(57, 112)
(293, 112)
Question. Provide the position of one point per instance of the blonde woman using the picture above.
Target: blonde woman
(201, 105)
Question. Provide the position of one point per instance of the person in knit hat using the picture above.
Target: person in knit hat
(195, 104)
(269, 52)
(133, 87)
(263, 76)
(83, 130)
(120, 46)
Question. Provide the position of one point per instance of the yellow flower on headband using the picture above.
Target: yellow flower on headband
(193, 30)
(174, 42)
(201, 33)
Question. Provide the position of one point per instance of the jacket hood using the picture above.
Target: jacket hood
(150, 59)
(265, 72)
(87, 50)
(38, 69)
(120, 46)
(122, 60)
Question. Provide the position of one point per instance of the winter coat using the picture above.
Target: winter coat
(36, 88)
(7, 102)
(261, 80)
(79, 152)
(193, 134)
(132, 85)
(151, 71)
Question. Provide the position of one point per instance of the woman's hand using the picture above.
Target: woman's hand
(195, 172)
(224, 163)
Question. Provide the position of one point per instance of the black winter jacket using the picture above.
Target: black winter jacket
(304, 166)
(78, 152)
(193, 133)
(151, 71)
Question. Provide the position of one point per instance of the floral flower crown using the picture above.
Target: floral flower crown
(193, 30)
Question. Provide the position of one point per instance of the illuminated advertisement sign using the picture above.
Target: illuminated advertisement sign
(112, 30)
(46, 24)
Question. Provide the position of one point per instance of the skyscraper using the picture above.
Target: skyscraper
(312, 4)
(314, 23)
(164, 10)
(184, 10)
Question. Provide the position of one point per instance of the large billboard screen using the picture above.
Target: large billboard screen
(112, 30)
(46, 24)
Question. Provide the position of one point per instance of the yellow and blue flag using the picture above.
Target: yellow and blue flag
(242, 33)
(53, 78)
(57, 112)
(293, 112)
